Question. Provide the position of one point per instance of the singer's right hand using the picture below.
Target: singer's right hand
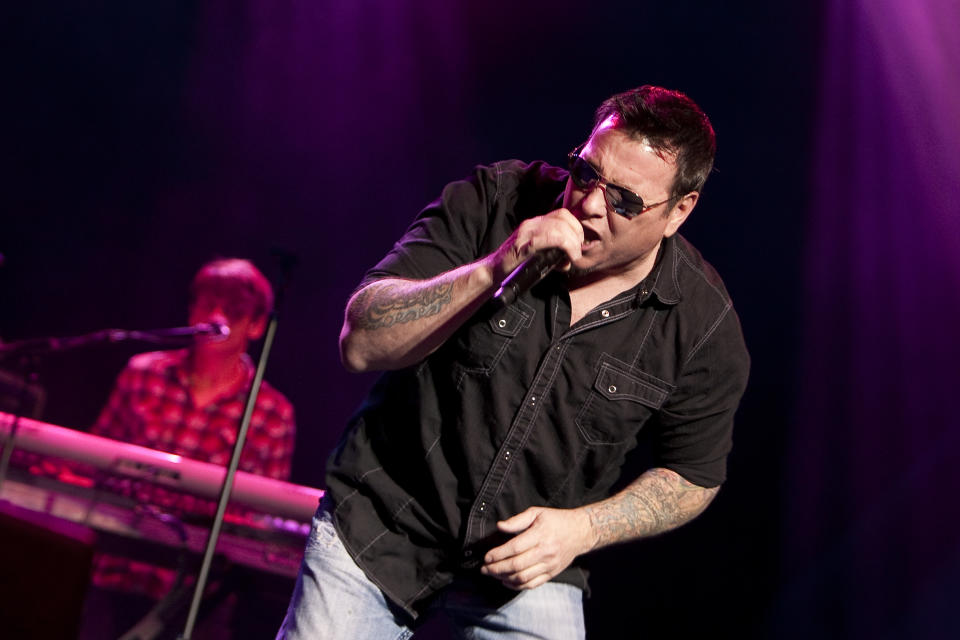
(559, 228)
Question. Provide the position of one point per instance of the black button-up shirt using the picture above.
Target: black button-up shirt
(518, 408)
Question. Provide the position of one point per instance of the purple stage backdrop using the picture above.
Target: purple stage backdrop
(873, 526)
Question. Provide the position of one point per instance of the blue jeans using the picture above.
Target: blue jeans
(333, 599)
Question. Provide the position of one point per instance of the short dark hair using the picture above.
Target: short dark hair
(670, 122)
(236, 280)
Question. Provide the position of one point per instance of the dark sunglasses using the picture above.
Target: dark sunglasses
(620, 200)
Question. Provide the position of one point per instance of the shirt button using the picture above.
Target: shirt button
(605, 313)
(612, 388)
(506, 455)
(501, 323)
(483, 505)
(533, 400)
(467, 553)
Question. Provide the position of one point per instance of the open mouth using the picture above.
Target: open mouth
(590, 239)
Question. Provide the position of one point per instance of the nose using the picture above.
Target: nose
(214, 314)
(594, 203)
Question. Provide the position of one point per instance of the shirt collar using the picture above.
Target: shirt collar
(662, 280)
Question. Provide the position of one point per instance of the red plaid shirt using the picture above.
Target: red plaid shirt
(151, 406)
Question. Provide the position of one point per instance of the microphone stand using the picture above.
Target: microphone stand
(228, 480)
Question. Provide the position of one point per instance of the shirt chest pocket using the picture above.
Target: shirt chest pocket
(480, 347)
(619, 403)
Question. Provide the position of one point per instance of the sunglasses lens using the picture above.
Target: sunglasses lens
(623, 202)
(582, 173)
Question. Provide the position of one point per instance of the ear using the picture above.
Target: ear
(256, 328)
(679, 213)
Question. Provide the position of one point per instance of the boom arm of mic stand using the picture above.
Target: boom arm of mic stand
(46, 345)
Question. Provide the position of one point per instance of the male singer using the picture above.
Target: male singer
(480, 466)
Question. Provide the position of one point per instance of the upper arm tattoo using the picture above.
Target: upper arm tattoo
(385, 305)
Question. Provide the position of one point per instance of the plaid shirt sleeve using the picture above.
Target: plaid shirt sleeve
(271, 438)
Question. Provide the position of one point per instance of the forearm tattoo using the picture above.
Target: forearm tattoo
(656, 502)
(382, 306)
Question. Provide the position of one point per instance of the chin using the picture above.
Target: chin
(576, 271)
(212, 345)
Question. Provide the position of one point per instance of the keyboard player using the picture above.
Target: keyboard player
(189, 402)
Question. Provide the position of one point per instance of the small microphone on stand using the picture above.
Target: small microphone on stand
(528, 273)
(211, 329)
(214, 329)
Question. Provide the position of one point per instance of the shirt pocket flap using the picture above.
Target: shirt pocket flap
(616, 384)
(509, 321)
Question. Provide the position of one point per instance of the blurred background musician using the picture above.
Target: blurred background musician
(189, 402)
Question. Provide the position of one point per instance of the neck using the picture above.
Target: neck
(215, 370)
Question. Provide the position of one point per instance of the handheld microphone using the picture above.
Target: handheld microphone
(528, 273)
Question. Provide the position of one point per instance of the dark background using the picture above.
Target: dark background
(142, 139)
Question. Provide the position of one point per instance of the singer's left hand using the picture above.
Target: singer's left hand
(546, 543)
